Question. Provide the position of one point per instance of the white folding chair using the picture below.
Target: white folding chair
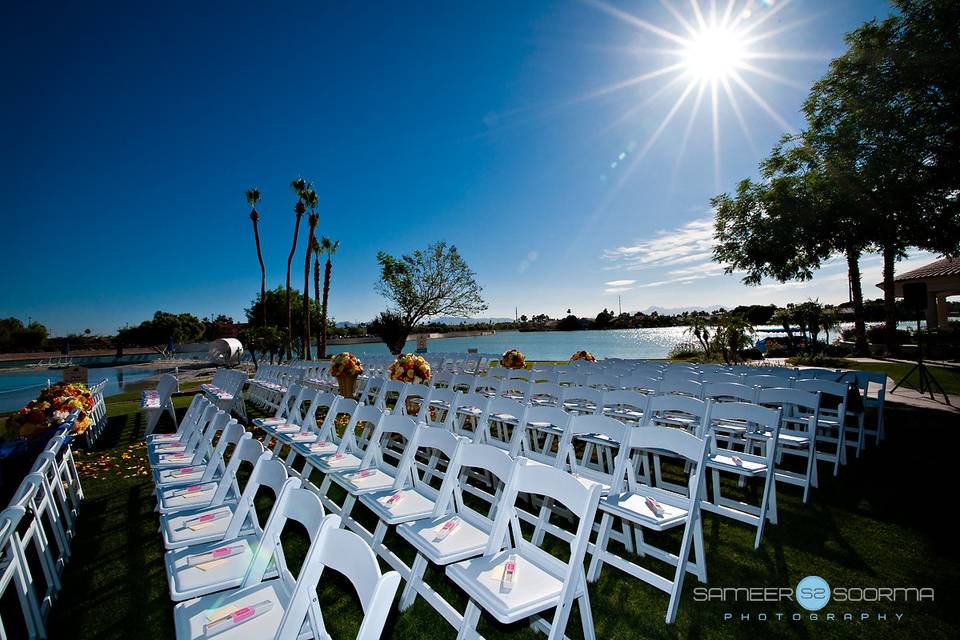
(455, 531)
(798, 437)
(499, 423)
(208, 469)
(15, 572)
(538, 580)
(223, 490)
(219, 564)
(155, 402)
(745, 465)
(657, 509)
(378, 471)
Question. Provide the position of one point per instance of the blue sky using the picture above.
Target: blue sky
(511, 129)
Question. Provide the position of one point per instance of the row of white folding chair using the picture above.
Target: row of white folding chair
(226, 390)
(40, 523)
(386, 485)
(266, 601)
(15, 573)
(270, 382)
(831, 448)
(97, 414)
(873, 391)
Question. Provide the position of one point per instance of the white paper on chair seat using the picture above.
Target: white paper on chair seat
(165, 437)
(304, 436)
(728, 461)
(269, 421)
(287, 428)
(634, 505)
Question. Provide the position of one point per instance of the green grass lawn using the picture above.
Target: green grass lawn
(879, 524)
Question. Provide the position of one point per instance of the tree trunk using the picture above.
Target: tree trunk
(326, 297)
(296, 232)
(306, 295)
(322, 345)
(890, 299)
(856, 288)
(263, 276)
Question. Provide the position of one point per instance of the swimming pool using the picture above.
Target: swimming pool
(19, 388)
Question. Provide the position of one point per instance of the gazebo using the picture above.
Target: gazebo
(942, 279)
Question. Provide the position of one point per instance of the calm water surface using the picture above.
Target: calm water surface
(17, 389)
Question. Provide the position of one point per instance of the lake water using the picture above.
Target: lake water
(19, 388)
(550, 345)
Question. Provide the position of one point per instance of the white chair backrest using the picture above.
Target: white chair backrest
(681, 386)
(583, 399)
(729, 392)
(346, 553)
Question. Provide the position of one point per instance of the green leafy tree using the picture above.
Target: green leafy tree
(15, 336)
(888, 113)
(276, 311)
(431, 282)
(164, 326)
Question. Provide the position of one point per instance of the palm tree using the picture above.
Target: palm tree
(316, 280)
(329, 248)
(314, 218)
(253, 197)
(299, 187)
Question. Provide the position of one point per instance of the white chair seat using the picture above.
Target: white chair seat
(176, 534)
(268, 424)
(157, 438)
(588, 482)
(173, 459)
(535, 589)
(747, 468)
(317, 447)
(788, 439)
(413, 506)
(620, 414)
(465, 541)
(164, 478)
(191, 616)
(169, 500)
(192, 581)
(378, 481)
(598, 439)
(632, 506)
(327, 463)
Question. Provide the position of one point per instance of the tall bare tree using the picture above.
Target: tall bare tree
(312, 220)
(300, 187)
(253, 197)
(329, 248)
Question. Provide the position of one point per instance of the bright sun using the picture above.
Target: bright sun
(714, 53)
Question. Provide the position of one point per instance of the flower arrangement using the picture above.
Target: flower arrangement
(51, 409)
(513, 359)
(583, 355)
(345, 364)
(410, 367)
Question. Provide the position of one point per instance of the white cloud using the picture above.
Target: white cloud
(617, 289)
(690, 242)
(620, 283)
